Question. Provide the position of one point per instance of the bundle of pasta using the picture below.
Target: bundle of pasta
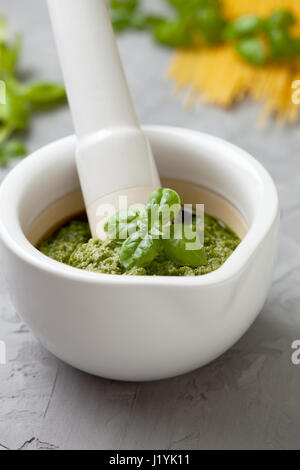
(219, 76)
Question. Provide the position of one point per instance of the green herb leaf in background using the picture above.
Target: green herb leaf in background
(252, 50)
(185, 7)
(255, 38)
(15, 113)
(282, 19)
(3, 29)
(125, 14)
(173, 33)
(130, 5)
(123, 19)
(248, 25)
(42, 94)
(211, 25)
(281, 44)
(21, 100)
(11, 149)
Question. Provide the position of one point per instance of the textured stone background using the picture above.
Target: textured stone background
(249, 398)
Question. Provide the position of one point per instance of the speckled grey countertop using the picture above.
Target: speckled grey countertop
(249, 398)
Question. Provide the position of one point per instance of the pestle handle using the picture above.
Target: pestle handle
(114, 158)
(95, 80)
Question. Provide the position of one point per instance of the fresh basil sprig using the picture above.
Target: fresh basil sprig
(21, 100)
(146, 233)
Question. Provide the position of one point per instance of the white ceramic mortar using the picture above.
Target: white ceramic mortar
(140, 328)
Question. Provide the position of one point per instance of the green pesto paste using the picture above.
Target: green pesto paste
(72, 244)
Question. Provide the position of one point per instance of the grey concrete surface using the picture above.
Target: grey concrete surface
(247, 399)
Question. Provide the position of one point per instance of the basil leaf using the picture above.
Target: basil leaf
(120, 19)
(152, 21)
(5, 130)
(176, 247)
(173, 33)
(10, 150)
(163, 197)
(245, 26)
(14, 114)
(123, 19)
(130, 5)
(281, 45)
(252, 50)
(139, 251)
(4, 161)
(3, 29)
(138, 21)
(295, 46)
(44, 94)
(163, 206)
(14, 148)
(211, 25)
(123, 224)
(9, 54)
(21, 100)
(282, 19)
(192, 6)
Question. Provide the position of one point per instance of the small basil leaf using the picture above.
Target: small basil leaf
(123, 224)
(9, 55)
(162, 197)
(121, 19)
(281, 45)
(295, 46)
(152, 21)
(139, 251)
(281, 19)
(211, 25)
(14, 148)
(163, 206)
(138, 21)
(252, 50)
(173, 33)
(3, 29)
(10, 150)
(15, 112)
(130, 5)
(177, 246)
(5, 130)
(44, 94)
(245, 26)
(4, 161)
(192, 6)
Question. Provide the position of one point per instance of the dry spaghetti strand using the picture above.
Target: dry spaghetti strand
(217, 75)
